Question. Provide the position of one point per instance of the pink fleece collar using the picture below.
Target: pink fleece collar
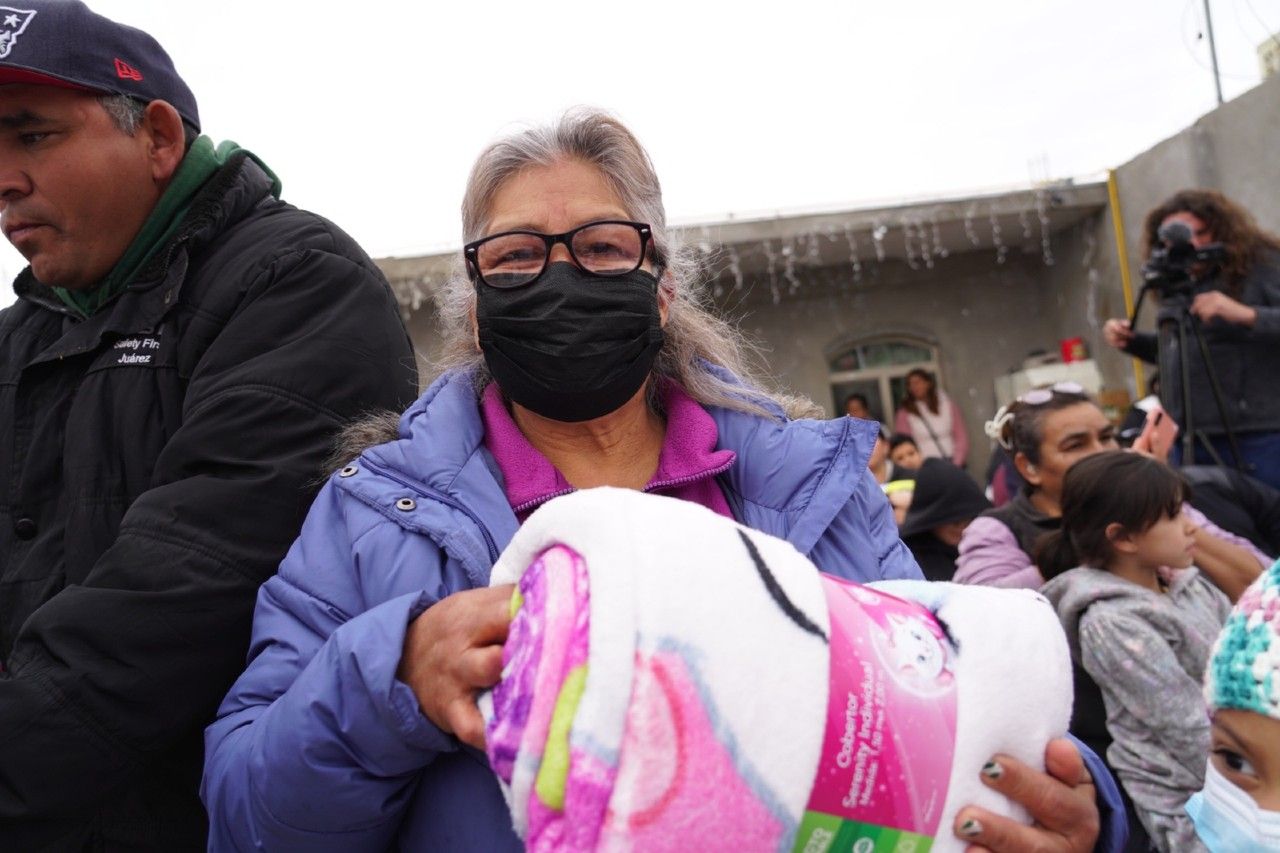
(688, 453)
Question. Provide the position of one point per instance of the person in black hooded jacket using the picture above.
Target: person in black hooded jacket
(944, 502)
(182, 353)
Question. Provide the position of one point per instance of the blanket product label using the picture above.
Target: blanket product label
(891, 727)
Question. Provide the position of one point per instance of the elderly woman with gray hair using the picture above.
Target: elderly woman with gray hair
(580, 355)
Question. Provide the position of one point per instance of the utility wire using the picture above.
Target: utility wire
(1191, 50)
(1273, 35)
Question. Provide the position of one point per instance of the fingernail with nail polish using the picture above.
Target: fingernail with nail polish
(970, 828)
(992, 770)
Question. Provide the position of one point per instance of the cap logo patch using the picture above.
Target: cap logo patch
(125, 71)
(12, 23)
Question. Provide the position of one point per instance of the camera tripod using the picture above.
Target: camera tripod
(1173, 321)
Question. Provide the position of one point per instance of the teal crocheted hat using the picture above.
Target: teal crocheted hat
(1244, 670)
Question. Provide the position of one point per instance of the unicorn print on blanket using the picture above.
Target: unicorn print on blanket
(916, 654)
(914, 647)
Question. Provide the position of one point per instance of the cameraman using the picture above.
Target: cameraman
(1237, 304)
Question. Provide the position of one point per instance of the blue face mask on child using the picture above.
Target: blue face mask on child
(1228, 820)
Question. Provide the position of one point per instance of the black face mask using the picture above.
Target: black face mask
(571, 346)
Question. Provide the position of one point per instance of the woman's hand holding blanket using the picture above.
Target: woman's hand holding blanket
(454, 650)
(1061, 800)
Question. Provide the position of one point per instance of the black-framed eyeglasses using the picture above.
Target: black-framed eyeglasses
(608, 248)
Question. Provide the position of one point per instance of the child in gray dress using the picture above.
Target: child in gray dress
(1141, 620)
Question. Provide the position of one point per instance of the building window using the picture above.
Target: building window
(877, 370)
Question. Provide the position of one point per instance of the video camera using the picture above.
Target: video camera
(1168, 269)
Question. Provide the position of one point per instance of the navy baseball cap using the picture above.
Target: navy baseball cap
(64, 43)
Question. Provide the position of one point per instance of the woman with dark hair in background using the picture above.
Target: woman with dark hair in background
(932, 419)
(1237, 303)
(1046, 431)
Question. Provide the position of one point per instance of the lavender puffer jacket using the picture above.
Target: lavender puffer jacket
(319, 747)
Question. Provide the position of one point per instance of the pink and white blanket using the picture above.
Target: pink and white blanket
(674, 681)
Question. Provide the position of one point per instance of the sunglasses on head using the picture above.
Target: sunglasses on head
(1040, 396)
(995, 428)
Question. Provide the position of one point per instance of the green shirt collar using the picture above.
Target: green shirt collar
(200, 163)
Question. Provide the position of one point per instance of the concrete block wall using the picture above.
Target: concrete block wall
(983, 317)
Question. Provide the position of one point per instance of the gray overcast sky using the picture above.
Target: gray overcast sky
(373, 112)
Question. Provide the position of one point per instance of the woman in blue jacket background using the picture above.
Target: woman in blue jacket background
(579, 356)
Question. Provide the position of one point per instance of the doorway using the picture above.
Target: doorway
(877, 369)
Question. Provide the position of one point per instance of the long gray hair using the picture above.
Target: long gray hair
(696, 340)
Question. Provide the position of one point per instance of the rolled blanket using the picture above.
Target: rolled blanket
(675, 681)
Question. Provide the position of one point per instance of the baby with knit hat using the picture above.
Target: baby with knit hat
(1239, 808)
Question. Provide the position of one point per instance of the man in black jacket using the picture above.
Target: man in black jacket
(183, 350)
